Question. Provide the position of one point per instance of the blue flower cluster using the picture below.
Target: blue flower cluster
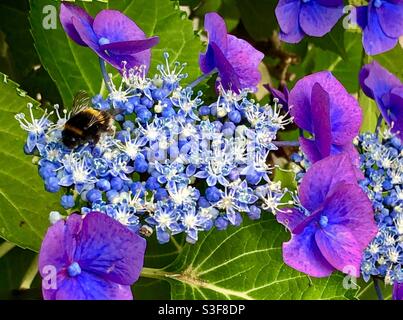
(382, 162)
(174, 164)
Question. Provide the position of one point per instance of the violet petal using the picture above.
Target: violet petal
(109, 249)
(287, 13)
(130, 47)
(375, 41)
(245, 60)
(290, 218)
(391, 18)
(322, 176)
(116, 27)
(340, 248)
(216, 29)
(348, 205)
(67, 12)
(88, 286)
(317, 20)
(397, 291)
(302, 254)
(52, 251)
(320, 106)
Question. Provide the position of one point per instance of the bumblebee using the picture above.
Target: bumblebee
(86, 124)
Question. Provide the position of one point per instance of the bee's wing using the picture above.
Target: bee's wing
(102, 117)
(81, 102)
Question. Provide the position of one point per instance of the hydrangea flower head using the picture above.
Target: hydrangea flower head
(321, 106)
(334, 222)
(112, 35)
(382, 25)
(382, 162)
(235, 59)
(94, 257)
(182, 166)
(298, 18)
(387, 91)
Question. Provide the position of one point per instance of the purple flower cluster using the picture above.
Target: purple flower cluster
(333, 222)
(91, 257)
(381, 179)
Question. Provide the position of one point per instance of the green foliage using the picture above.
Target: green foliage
(24, 204)
(239, 263)
(243, 263)
(75, 68)
(18, 57)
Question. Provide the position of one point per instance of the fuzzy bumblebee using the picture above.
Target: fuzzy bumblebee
(86, 124)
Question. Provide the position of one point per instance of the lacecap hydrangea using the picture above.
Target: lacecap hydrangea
(175, 164)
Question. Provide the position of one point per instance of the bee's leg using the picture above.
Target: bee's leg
(112, 130)
(96, 138)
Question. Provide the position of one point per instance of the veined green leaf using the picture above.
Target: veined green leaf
(243, 263)
(24, 204)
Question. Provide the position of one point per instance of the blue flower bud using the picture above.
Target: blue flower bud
(136, 187)
(52, 184)
(168, 112)
(140, 164)
(228, 129)
(235, 116)
(161, 194)
(203, 203)
(147, 102)
(221, 223)
(254, 213)
(135, 101)
(111, 194)
(152, 183)
(116, 183)
(128, 108)
(213, 194)
(204, 111)
(119, 118)
(143, 114)
(67, 201)
(94, 195)
(103, 185)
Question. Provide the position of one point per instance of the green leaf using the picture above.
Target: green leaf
(333, 41)
(243, 263)
(75, 68)
(258, 18)
(346, 71)
(370, 112)
(392, 60)
(24, 204)
(19, 59)
(13, 267)
(366, 290)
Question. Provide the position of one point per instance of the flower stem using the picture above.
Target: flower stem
(286, 143)
(378, 124)
(5, 247)
(154, 273)
(202, 78)
(377, 288)
(30, 274)
(105, 74)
